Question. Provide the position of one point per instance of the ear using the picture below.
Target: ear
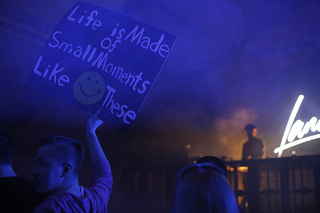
(66, 169)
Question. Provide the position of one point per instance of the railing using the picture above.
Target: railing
(279, 185)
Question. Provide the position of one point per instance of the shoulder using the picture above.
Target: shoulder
(255, 140)
(58, 202)
(48, 206)
(258, 143)
(245, 144)
(259, 140)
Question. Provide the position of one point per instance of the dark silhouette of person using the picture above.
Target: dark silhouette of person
(17, 194)
(219, 163)
(56, 168)
(203, 188)
(215, 161)
(253, 148)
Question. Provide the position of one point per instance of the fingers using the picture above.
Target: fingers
(99, 110)
(96, 118)
(97, 113)
(94, 121)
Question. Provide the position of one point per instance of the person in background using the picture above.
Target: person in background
(56, 168)
(17, 194)
(253, 148)
(203, 188)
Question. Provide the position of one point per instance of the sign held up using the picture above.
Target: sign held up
(98, 58)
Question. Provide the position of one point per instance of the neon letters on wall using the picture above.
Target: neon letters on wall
(296, 130)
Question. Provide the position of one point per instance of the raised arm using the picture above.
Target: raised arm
(95, 149)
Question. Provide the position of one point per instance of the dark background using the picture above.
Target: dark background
(235, 62)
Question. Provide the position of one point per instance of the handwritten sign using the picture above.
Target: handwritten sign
(98, 58)
(296, 131)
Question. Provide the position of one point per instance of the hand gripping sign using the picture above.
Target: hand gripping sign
(98, 58)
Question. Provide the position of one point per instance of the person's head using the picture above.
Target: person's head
(251, 130)
(215, 161)
(57, 163)
(5, 147)
(203, 188)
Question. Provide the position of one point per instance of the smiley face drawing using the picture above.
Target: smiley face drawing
(89, 88)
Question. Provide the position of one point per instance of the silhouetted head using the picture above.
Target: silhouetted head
(57, 163)
(251, 130)
(215, 161)
(5, 147)
(203, 188)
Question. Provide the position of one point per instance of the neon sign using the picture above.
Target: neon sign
(297, 129)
